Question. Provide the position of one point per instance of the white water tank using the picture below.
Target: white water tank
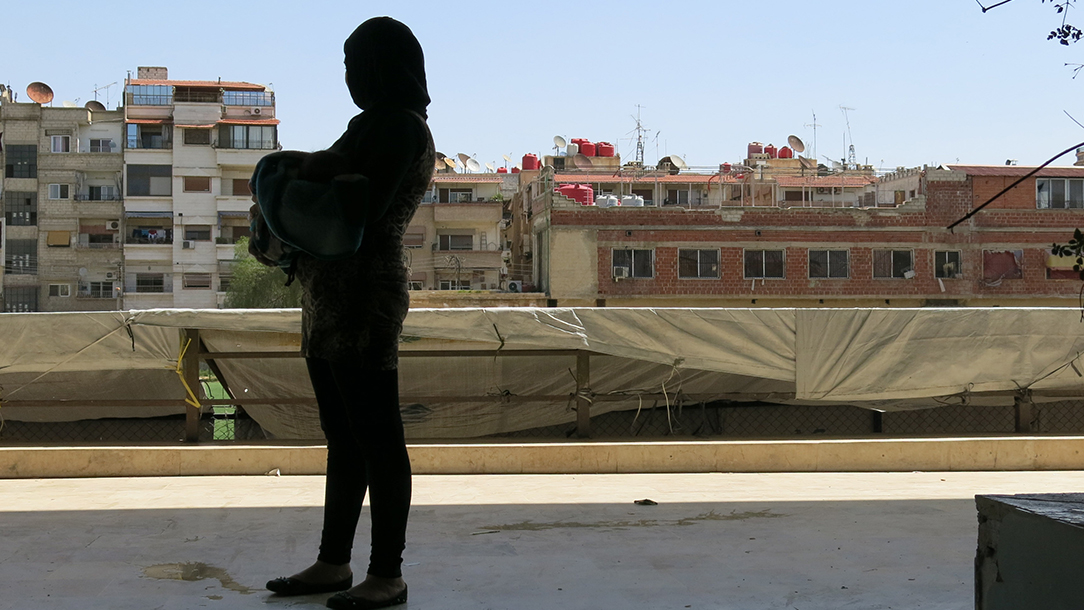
(571, 150)
(632, 201)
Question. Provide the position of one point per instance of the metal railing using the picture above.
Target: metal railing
(87, 197)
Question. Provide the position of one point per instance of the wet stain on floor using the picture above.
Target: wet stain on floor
(193, 571)
(532, 526)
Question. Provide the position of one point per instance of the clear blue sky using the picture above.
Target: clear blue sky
(930, 81)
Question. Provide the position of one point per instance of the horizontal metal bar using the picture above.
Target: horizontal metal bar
(223, 355)
(427, 353)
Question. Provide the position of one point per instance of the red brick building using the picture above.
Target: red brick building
(741, 243)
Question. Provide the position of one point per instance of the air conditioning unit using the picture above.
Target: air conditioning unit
(908, 274)
(256, 111)
(621, 273)
(515, 286)
(112, 225)
(187, 245)
(110, 275)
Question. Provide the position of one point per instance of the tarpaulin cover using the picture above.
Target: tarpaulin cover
(877, 358)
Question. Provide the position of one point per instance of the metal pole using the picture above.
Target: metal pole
(583, 386)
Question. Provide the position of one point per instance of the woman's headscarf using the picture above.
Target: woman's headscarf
(385, 67)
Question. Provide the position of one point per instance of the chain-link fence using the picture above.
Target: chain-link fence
(688, 421)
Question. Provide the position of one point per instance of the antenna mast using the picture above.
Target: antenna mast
(814, 125)
(847, 137)
(640, 131)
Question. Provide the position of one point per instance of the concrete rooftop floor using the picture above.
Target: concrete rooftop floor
(794, 541)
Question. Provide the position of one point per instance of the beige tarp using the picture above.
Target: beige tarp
(877, 358)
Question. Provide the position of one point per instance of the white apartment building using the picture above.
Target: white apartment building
(189, 150)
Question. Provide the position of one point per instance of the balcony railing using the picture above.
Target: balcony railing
(153, 241)
(208, 97)
(142, 99)
(87, 197)
(98, 246)
(154, 144)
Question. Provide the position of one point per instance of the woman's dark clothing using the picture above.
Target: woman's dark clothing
(365, 449)
(353, 309)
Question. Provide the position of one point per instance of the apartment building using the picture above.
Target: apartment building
(189, 147)
(454, 240)
(60, 238)
(870, 243)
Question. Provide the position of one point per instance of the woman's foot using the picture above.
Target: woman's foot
(373, 592)
(320, 577)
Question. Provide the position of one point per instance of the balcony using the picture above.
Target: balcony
(88, 197)
(161, 239)
(198, 97)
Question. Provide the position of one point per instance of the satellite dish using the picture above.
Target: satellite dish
(450, 162)
(69, 104)
(462, 158)
(490, 167)
(677, 162)
(439, 163)
(94, 105)
(82, 272)
(582, 161)
(472, 165)
(559, 142)
(507, 158)
(40, 92)
(796, 143)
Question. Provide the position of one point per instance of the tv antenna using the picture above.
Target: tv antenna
(106, 89)
(814, 125)
(847, 137)
(640, 131)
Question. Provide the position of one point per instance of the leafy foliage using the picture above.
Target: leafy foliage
(255, 286)
(1075, 247)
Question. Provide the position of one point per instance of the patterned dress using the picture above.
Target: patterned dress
(353, 309)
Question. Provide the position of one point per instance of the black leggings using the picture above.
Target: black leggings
(359, 412)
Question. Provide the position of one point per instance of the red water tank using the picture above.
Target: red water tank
(754, 148)
(587, 148)
(502, 170)
(582, 193)
(578, 141)
(726, 168)
(515, 170)
(770, 151)
(530, 161)
(604, 149)
(786, 153)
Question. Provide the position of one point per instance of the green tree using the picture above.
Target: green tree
(255, 286)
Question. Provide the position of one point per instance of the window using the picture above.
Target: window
(60, 290)
(797, 195)
(197, 184)
(1059, 193)
(21, 161)
(198, 232)
(58, 191)
(97, 290)
(150, 180)
(414, 238)
(21, 257)
(647, 194)
(61, 144)
(455, 195)
(150, 282)
(698, 263)
(102, 193)
(20, 299)
(240, 188)
(150, 136)
(247, 136)
(224, 283)
(454, 285)
(635, 263)
(200, 281)
(456, 242)
(101, 146)
(946, 264)
(58, 239)
(829, 264)
(417, 285)
(893, 264)
(1002, 265)
(149, 95)
(100, 240)
(248, 98)
(197, 136)
(21, 209)
(677, 197)
(764, 264)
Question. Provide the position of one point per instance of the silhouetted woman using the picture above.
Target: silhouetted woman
(352, 315)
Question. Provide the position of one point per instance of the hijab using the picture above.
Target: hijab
(385, 68)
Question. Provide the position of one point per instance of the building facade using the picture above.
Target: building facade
(874, 243)
(189, 150)
(62, 213)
